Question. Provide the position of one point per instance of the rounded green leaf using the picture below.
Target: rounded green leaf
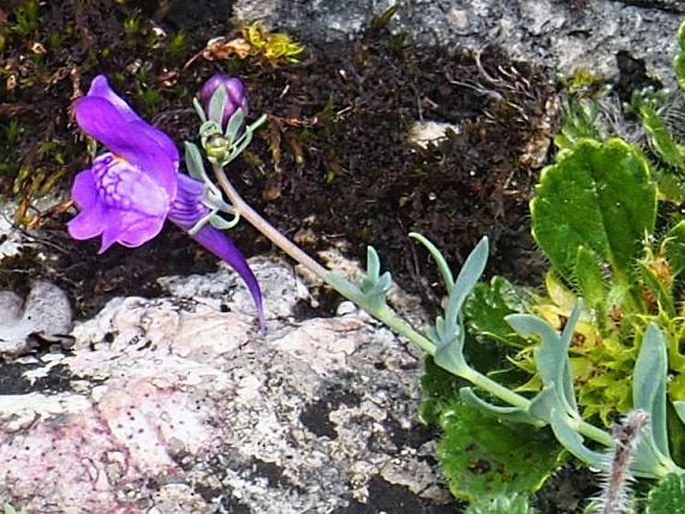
(598, 195)
(668, 497)
(483, 457)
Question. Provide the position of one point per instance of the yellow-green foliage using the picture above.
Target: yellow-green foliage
(273, 47)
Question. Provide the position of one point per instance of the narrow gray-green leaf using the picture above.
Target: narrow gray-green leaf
(199, 110)
(217, 105)
(573, 442)
(373, 263)
(439, 259)
(566, 376)
(194, 164)
(234, 125)
(551, 354)
(649, 384)
(468, 276)
(512, 414)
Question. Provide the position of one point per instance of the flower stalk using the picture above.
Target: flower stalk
(382, 313)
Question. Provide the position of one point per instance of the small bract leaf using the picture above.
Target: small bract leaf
(194, 164)
(235, 125)
(199, 110)
(217, 105)
(223, 224)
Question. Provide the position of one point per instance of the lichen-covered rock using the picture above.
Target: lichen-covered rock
(567, 36)
(180, 404)
(45, 315)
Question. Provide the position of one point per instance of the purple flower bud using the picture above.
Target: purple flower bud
(235, 95)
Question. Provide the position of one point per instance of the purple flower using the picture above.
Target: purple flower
(235, 95)
(186, 209)
(129, 191)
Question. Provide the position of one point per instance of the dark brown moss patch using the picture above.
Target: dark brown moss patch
(345, 171)
(333, 162)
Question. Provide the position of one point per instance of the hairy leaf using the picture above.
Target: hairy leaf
(590, 279)
(660, 137)
(502, 504)
(483, 457)
(658, 290)
(439, 391)
(668, 496)
(674, 246)
(486, 308)
(679, 62)
(597, 195)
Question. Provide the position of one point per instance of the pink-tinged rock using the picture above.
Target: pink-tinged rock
(179, 405)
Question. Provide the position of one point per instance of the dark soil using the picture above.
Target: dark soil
(332, 166)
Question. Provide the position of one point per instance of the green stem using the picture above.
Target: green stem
(384, 313)
(516, 400)
(494, 388)
(344, 287)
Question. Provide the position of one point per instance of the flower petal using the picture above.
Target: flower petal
(89, 223)
(187, 208)
(125, 187)
(221, 245)
(84, 191)
(99, 87)
(135, 141)
(129, 228)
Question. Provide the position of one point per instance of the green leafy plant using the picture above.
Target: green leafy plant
(668, 496)
(9, 509)
(594, 216)
(509, 504)
(271, 46)
(487, 422)
(484, 456)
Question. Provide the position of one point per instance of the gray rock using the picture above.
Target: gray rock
(566, 35)
(46, 314)
(180, 404)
